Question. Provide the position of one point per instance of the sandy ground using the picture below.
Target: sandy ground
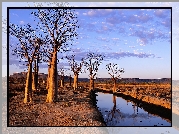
(72, 109)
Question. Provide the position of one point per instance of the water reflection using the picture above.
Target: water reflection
(119, 112)
(114, 115)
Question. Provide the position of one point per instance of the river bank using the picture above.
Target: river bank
(154, 94)
(74, 108)
(118, 111)
(146, 98)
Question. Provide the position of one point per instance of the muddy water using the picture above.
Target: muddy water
(117, 111)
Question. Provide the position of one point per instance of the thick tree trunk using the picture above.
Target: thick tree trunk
(33, 81)
(36, 74)
(56, 78)
(36, 81)
(47, 86)
(77, 81)
(62, 81)
(91, 83)
(28, 87)
(114, 88)
(51, 80)
(75, 84)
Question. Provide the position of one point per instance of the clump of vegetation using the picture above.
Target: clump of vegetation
(115, 72)
(76, 68)
(92, 63)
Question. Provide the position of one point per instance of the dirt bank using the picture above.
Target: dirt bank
(72, 109)
(154, 94)
(156, 110)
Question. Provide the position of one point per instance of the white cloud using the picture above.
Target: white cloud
(115, 38)
(132, 46)
(22, 22)
(91, 13)
(77, 13)
(15, 14)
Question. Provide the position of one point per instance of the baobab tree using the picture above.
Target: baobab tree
(59, 26)
(92, 63)
(62, 71)
(27, 47)
(35, 73)
(76, 68)
(115, 73)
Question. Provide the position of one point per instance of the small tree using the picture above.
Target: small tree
(62, 73)
(92, 63)
(114, 72)
(28, 47)
(76, 68)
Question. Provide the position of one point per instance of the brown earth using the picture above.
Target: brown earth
(74, 108)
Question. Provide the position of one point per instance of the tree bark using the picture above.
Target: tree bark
(28, 87)
(56, 78)
(33, 81)
(62, 81)
(36, 74)
(48, 78)
(52, 80)
(114, 88)
(75, 84)
(77, 81)
(91, 83)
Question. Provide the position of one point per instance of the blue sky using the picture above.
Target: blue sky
(175, 49)
(138, 40)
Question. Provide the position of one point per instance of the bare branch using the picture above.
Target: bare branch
(92, 62)
(114, 71)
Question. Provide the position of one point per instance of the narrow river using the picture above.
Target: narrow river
(117, 111)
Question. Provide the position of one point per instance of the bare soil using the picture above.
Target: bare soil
(73, 108)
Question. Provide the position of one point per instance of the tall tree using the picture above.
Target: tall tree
(115, 73)
(92, 63)
(35, 73)
(27, 47)
(59, 26)
(76, 68)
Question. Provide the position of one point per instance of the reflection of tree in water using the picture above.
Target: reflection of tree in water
(134, 115)
(137, 104)
(114, 116)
